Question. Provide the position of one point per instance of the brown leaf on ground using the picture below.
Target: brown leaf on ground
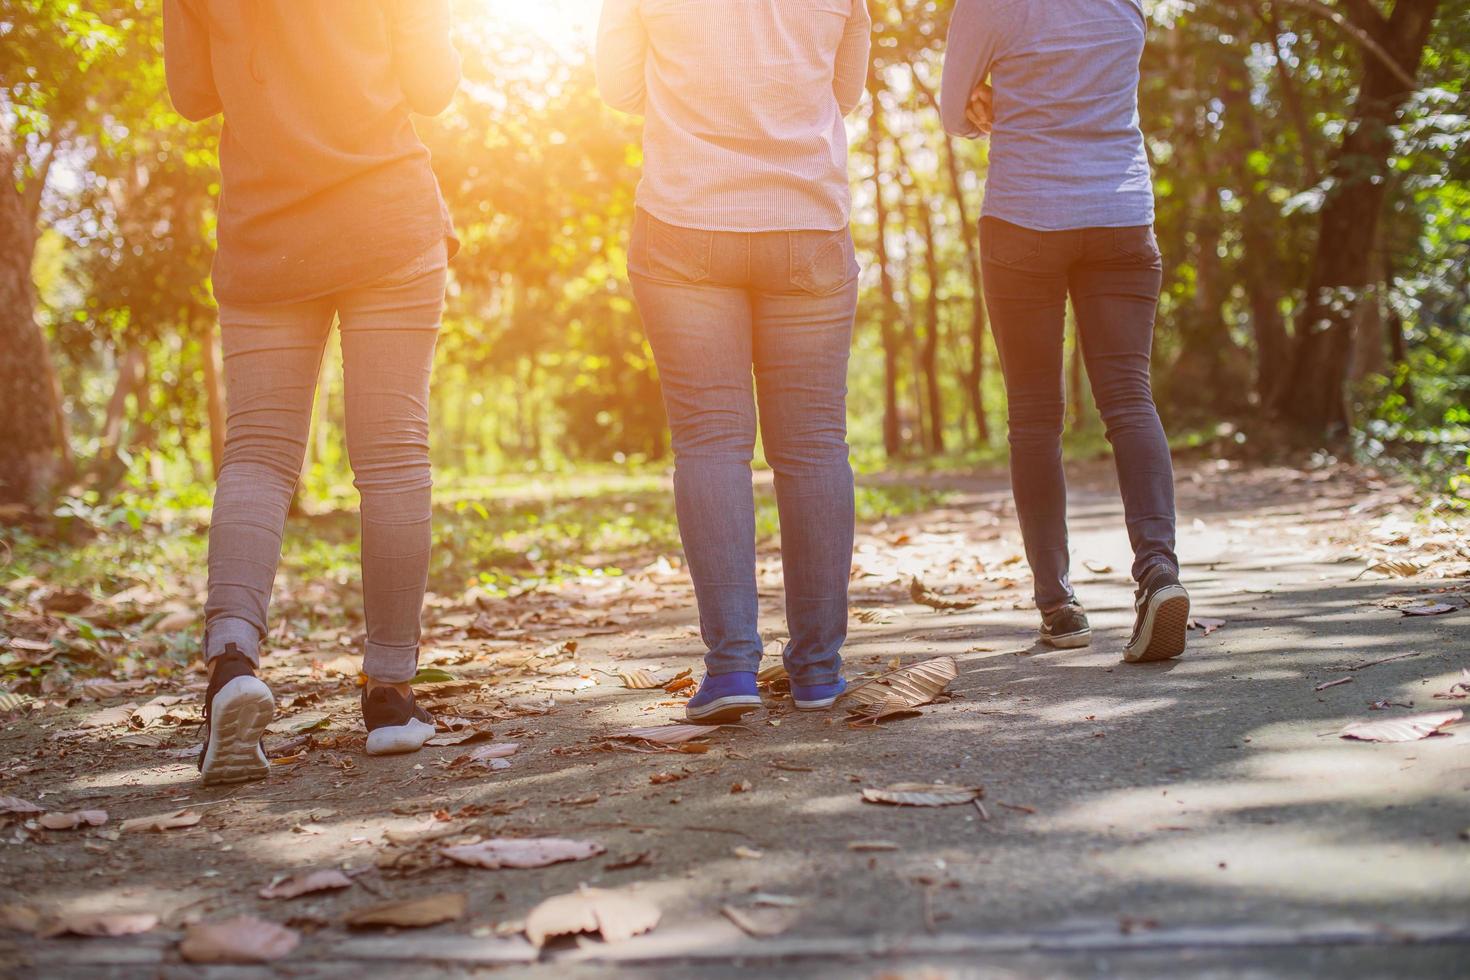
(14, 804)
(925, 596)
(461, 736)
(304, 722)
(411, 914)
(679, 684)
(114, 717)
(873, 845)
(1428, 609)
(100, 688)
(163, 821)
(640, 680)
(666, 734)
(1097, 567)
(614, 915)
(244, 939)
(71, 821)
(760, 923)
(19, 918)
(152, 712)
(1205, 625)
(902, 690)
(1409, 728)
(923, 794)
(1397, 567)
(532, 852)
(302, 883)
(103, 924)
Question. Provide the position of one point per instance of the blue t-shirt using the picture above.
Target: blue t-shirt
(1066, 150)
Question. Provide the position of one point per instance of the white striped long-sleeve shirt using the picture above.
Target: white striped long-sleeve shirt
(743, 104)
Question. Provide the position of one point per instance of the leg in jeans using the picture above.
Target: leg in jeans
(1026, 295)
(388, 333)
(1115, 289)
(804, 313)
(271, 355)
(700, 332)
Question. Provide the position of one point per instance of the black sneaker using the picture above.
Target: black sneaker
(1163, 617)
(395, 723)
(237, 707)
(1066, 628)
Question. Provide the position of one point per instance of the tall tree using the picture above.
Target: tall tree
(1312, 393)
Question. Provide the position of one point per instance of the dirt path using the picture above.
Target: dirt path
(1199, 814)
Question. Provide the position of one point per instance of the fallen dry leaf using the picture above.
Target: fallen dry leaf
(666, 734)
(1097, 567)
(1429, 609)
(14, 804)
(103, 924)
(410, 914)
(532, 852)
(614, 915)
(923, 794)
(113, 717)
(302, 883)
(100, 688)
(1409, 728)
(639, 680)
(244, 939)
(872, 845)
(71, 821)
(760, 923)
(163, 821)
(903, 689)
(925, 596)
(1205, 624)
(20, 918)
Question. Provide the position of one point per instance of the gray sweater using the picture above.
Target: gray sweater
(325, 184)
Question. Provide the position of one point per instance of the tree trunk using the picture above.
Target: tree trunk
(33, 451)
(129, 376)
(930, 353)
(974, 377)
(1259, 226)
(1312, 394)
(892, 436)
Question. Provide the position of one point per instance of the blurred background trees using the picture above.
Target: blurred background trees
(1313, 181)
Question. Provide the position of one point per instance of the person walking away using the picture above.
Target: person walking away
(742, 266)
(328, 210)
(1069, 211)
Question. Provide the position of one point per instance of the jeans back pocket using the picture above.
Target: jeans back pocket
(822, 262)
(663, 251)
(1008, 244)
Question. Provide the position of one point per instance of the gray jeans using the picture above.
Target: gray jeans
(739, 321)
(272, 357)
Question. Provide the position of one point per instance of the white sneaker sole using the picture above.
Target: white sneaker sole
(238, 717)
(1069, 641)
(817, 705)
(1165, 627)
(724, 709)
(398, 739)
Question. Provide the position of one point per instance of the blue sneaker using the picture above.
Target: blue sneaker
(723, 698)
(815, 697)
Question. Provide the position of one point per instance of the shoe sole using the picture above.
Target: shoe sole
(238, 717)
(818, 704)
(723, 710)
(1165, 627)
(399, 739)
(1069, 641)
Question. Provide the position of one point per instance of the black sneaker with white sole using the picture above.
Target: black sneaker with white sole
(395, 723)
(1066, 628)
(1162, 606)
(237, 708)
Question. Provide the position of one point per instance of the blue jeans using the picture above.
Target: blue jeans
(1113, 276)
(717, 306)
(272, 357)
